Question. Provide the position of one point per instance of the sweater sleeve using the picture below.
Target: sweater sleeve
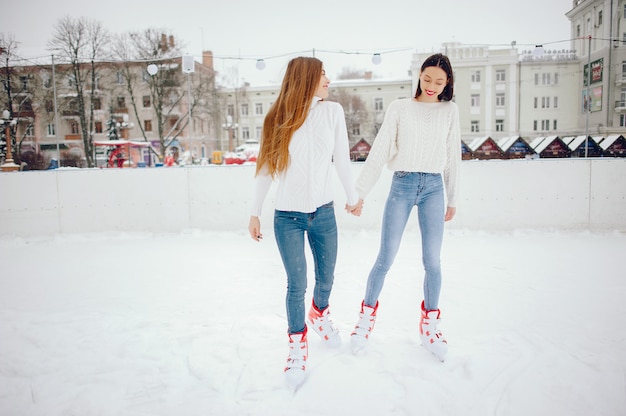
(263, 181)
(383, 149)
(341, 156)
(451, 173)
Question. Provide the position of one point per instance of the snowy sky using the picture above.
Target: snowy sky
(253, 29)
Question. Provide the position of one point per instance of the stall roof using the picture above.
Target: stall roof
(545, 143)
(506, 142)
(606, 143)
(477, 142)
(120, 143)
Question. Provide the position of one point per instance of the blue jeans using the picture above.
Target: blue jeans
(425, 190)
(321, 229)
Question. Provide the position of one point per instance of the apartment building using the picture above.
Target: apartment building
(364, 100)
(598, 30)
(121, 99)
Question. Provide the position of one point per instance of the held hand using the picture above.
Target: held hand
(450, 213)
(254, 228)
(355, 209)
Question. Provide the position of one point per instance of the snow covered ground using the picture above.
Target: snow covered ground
(194, 324)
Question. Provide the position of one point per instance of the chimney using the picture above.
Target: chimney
(163, 42)
(172, 41)
(207, 59)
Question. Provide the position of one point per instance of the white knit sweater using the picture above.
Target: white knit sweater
(416, 137)
(318, 144)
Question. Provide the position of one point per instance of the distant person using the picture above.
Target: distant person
(420, 141)
(302, 137)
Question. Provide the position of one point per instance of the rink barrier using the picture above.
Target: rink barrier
(494, 195)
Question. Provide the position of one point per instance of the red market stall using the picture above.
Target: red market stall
(124, 152)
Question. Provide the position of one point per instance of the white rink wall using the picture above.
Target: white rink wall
(495, 195)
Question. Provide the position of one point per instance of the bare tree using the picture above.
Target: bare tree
(82, 42)
(156, 48)
(354, 108)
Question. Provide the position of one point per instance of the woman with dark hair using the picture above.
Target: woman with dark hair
(420, 141)
(302, 137)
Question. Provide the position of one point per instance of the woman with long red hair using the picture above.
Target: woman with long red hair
(303, 136)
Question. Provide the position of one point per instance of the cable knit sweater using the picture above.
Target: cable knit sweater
(416, 137)
(318, 144)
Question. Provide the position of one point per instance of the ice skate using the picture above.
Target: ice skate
(295, 370)
(431, 336)
(363, 328)
(322, 324)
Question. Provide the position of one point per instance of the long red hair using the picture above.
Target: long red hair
(288, 113)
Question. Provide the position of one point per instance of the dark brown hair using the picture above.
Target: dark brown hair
(441, 61)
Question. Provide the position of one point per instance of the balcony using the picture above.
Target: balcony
(70, 113)
(620, 106)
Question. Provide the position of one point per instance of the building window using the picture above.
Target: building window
(119, 77)
(378, 104)
(146, 101)
(500, 100)
(622, 120)
(545, 102)
(147, 125)
(47, 82)
(545, 125)
(230, 110)
(578, 31)
(74, 127)
(475, 127)
(599, 17)
(30, 130)
(71, 80)
(554, 125)
(536, 79)
(258, 133)
(476, 76)
(97, 104)
(121, 102)
(500, 75)
(244, 110)
(534, 125)
(545, 79)
(536, 101)
(245, 133)
(258, 109)
(499, 125)
(556, 78)
(50, 130)
(475, 100)
(555, 101)
(24, 82)
(98, 126)
(356, 130)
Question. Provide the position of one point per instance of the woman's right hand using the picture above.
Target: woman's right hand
(254, 227)
(355, 209)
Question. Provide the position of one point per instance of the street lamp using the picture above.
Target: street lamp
(9, 165)
(587, 107)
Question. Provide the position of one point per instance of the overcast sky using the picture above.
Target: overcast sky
(281, 29)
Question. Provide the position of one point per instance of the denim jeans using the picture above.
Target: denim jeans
(425, 190)
(321, 230)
